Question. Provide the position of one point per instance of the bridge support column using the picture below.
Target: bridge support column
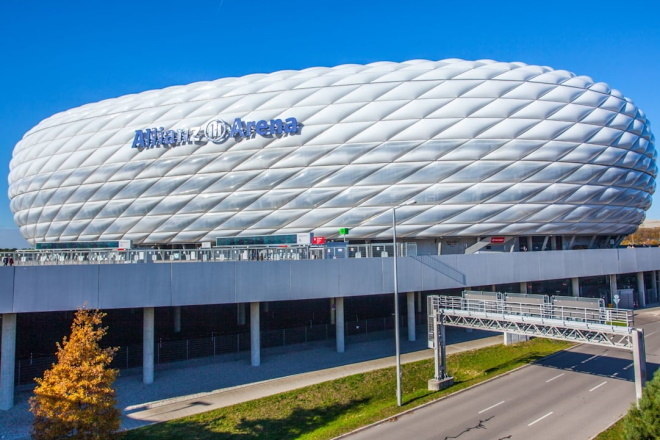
(512, 338)
(148, 344)
(339, 325)
(177, 319)
(523, 287)
(440, 380)
(575, 287)
(613, 287)
(641, 290)
(7, 361)
(639, 361)
(255, 335)
(241, 315)
(410, 309)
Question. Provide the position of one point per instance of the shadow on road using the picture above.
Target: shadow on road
(612, 366)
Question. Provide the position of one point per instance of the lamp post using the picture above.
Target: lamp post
(397, 339)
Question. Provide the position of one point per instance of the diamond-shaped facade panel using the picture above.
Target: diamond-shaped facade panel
(482, 147)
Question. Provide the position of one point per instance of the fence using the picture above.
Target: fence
(167, 351)
(254, 253)
(533, 308)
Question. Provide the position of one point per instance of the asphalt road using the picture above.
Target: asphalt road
(573, 395)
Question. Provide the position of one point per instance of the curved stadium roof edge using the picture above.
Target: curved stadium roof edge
(484, 147)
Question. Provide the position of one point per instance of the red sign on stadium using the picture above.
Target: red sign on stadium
(319, 240)
(497, 240)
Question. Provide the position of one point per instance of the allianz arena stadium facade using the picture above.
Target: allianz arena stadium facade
(480, 147)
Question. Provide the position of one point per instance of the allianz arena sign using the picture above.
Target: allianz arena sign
(217, 131)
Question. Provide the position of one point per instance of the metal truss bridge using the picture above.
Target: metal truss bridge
(563, 318)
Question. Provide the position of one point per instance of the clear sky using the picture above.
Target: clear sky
(61, 54)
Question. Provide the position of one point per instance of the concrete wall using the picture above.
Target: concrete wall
(52, 288)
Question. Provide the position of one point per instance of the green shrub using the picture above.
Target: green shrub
(643, 421)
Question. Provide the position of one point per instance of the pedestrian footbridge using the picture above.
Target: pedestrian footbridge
(581, 320)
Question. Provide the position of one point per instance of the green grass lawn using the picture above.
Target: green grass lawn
(326, 410)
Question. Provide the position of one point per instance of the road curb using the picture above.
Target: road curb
(611, 424)
(424, 405)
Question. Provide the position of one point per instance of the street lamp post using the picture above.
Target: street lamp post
(396, 314)
(397, 339)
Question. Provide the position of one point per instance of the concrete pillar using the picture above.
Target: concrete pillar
(339, 324)
(7, 361)
(641, 290)
(639, 361)
(177, 319)
(523, 287)
(241, 315)
(575, 287)
(148, 344)
(410, 306)
(419, 301)
(613, 287)
(512, 338)
(654, 285)
(255, 335)
(553, 243)
(333, 311)
(529, 244)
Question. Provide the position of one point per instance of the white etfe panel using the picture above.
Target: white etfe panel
(362, 139)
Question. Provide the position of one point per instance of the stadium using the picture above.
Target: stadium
(483, 148)
(491, 175)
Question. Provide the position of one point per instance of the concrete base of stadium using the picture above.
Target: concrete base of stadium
(613, 274)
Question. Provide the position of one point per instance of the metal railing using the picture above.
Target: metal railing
(252, 253)
(618, 318)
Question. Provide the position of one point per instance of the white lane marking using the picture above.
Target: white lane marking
(590, 359)
(541, 418)
(651, 334)
(490, 407)
(598, 386)
(628, 366)
(556, 377)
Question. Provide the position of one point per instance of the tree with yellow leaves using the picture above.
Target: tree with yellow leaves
(75, 399)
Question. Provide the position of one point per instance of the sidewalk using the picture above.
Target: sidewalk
(159, 411)
(191, 387)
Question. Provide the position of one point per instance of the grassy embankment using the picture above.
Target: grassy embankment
(326, 410)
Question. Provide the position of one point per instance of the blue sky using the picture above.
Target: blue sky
(58, 55)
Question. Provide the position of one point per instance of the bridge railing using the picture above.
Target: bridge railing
(544, 311)
(224, 254)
